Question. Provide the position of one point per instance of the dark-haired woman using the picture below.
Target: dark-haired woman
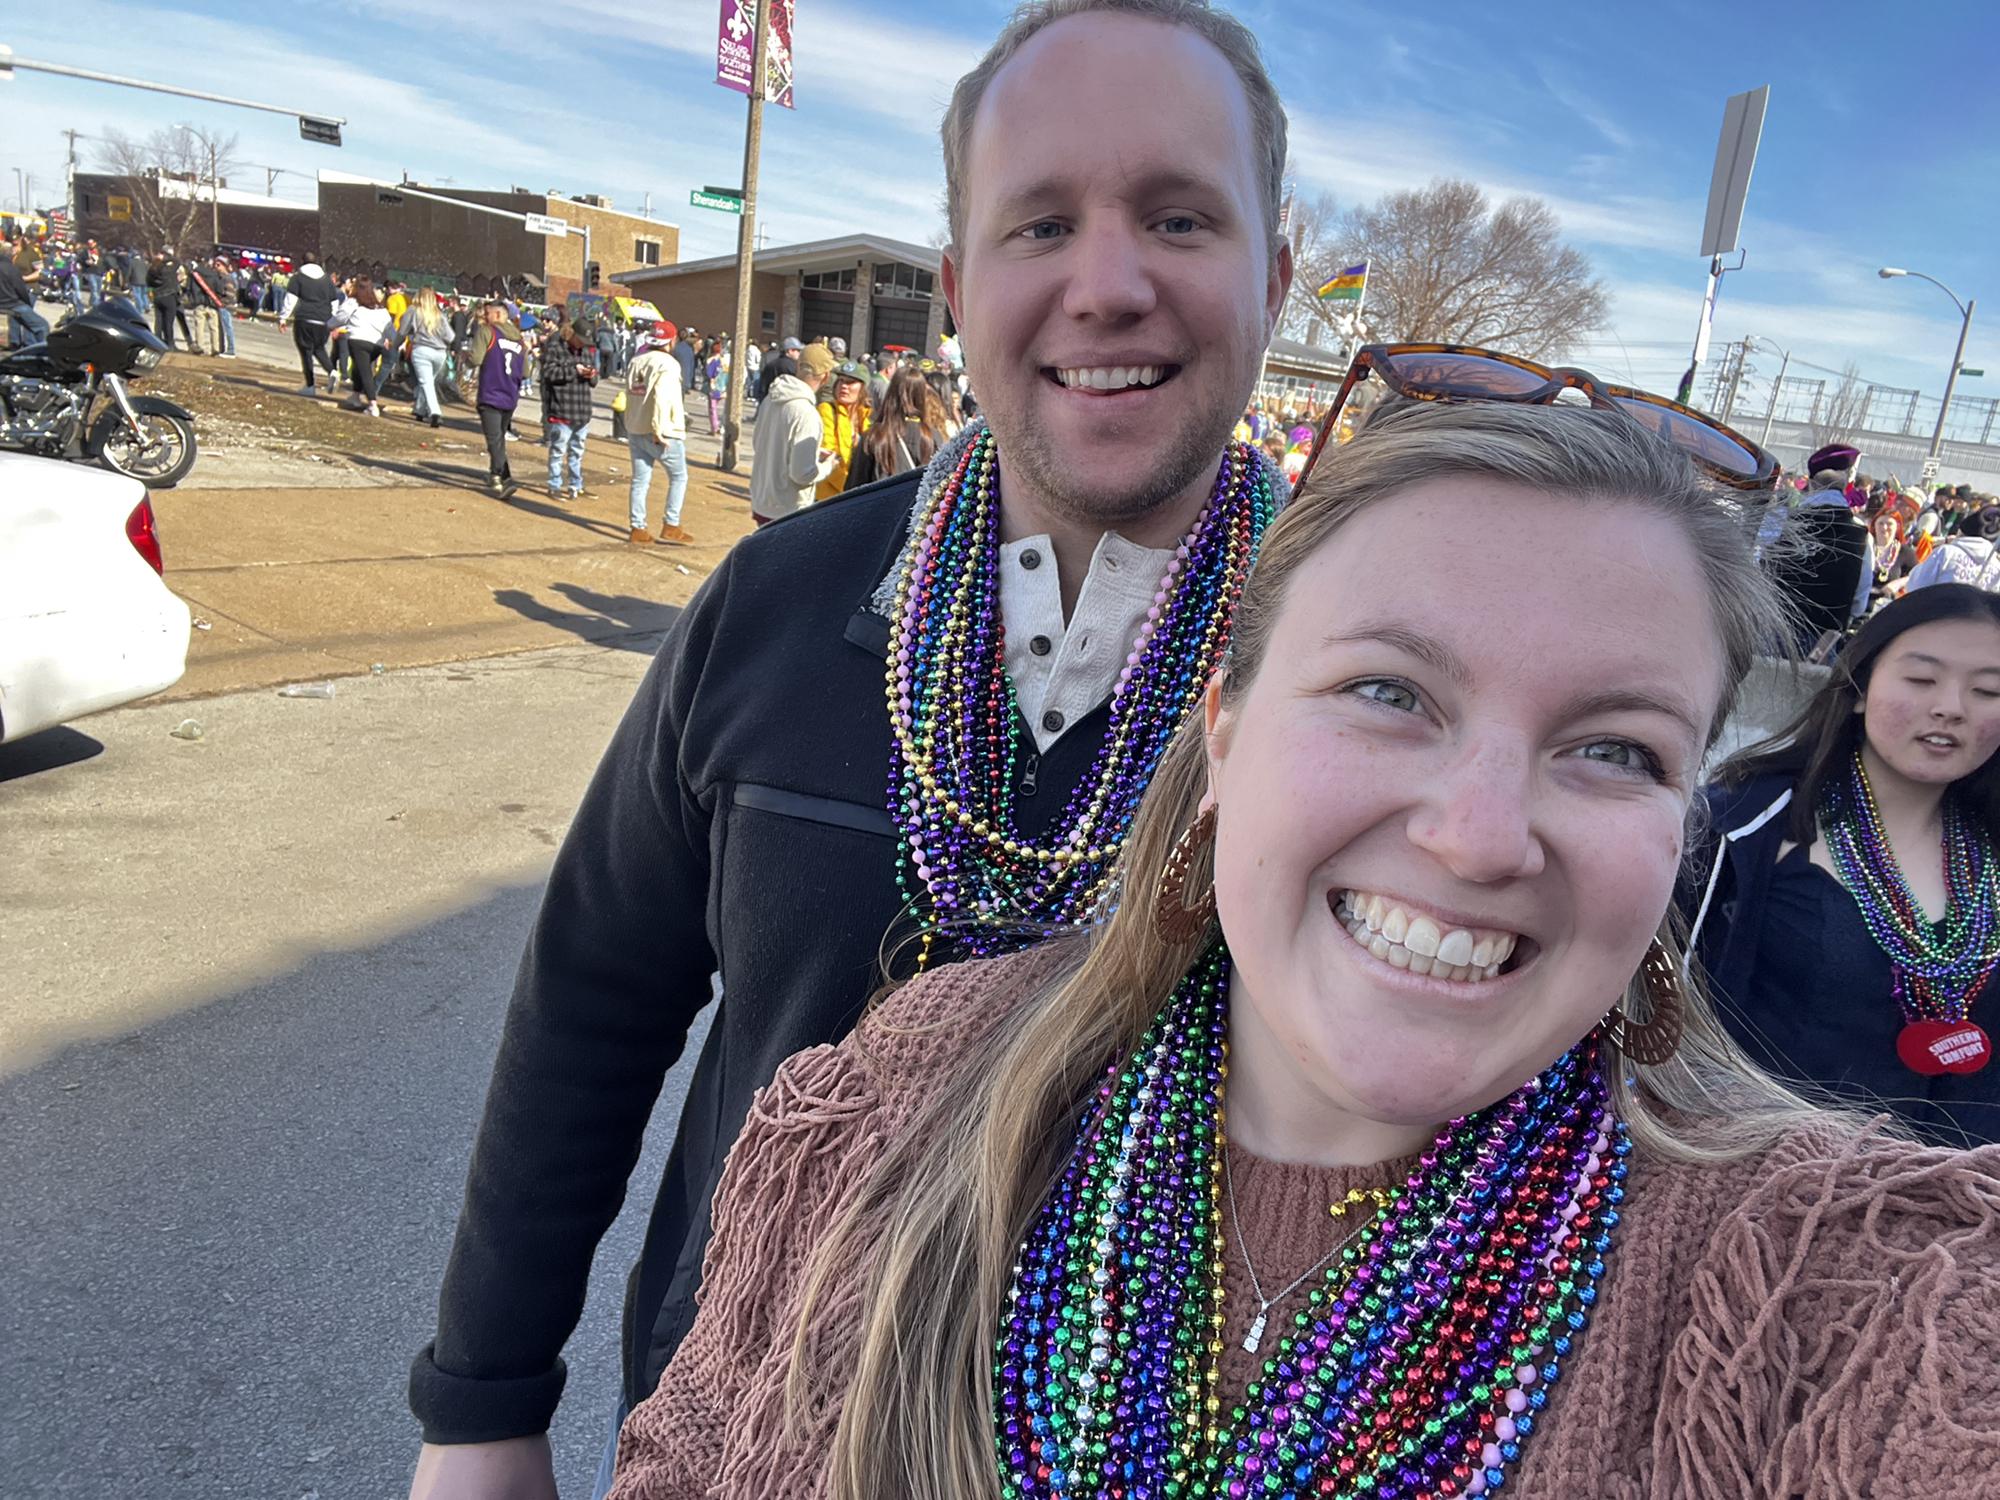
(368, 326)
(1849, 917)
(908, 431)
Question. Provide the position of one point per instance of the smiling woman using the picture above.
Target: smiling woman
(1028, 1230)
(1850, 905)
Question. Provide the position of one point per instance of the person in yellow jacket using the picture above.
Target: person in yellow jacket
(843, 418)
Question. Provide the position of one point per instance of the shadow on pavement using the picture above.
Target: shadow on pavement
(49, 750)
(430, 471)
(621, 620)
(225, 1232)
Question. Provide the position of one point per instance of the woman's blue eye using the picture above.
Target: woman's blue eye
(1388, 693)
(1625, 756)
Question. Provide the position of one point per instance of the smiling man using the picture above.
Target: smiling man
(1005, 646)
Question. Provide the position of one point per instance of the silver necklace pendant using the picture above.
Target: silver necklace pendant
(1256, 1334)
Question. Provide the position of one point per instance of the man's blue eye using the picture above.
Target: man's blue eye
(1035, 231)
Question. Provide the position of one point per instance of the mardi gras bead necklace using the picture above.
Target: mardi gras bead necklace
(1419, 1366)
(1938, 966)
(956, 725)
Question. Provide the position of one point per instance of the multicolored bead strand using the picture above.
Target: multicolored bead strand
(1938, 966)
(1417, 1369)
(957, 727)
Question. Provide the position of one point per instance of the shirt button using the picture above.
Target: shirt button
(1039, 645)
(1031, 559)
(1111, 563)
(1052, 720)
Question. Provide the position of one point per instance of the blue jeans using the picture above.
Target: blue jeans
(646, 453)
(226, 321)
(607, 1465)
(140, 299)
(429, 365)
(565, 439)
(25, 326)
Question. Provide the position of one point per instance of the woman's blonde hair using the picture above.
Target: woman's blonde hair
(937, 1222)
(425, 314)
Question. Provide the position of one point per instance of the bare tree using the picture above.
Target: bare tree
(1445, 266)
(166, 178)
(1836, 418)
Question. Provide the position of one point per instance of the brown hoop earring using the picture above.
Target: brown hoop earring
(1173, 919)
(1656, 1041)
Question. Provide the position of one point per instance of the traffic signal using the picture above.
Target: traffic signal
(592, 277)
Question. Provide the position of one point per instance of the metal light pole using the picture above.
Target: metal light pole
(1958, 358)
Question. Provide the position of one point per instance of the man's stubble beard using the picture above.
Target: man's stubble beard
(1185, 456)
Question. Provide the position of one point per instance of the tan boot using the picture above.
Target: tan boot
(640, 537)
(677, 535)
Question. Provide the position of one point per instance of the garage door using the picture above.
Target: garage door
(825, 315)
(900, 322)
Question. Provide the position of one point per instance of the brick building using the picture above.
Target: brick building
(869, 290)
(396, 236)
(146, 212)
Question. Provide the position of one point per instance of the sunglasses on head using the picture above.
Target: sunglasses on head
(1453, 372)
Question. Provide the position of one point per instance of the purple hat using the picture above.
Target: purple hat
(1301, 435)
(1834, 456)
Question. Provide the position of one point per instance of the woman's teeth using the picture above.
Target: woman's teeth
(1418, 942)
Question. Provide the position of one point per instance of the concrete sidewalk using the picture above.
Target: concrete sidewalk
(376, 542)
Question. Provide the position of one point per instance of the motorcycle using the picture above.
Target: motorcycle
(49, 390)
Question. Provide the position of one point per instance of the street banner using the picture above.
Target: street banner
(735, 48)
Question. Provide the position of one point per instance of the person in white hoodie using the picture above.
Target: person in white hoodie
(368, 326)
(656, 433)
(788, 460)
(1973, 556)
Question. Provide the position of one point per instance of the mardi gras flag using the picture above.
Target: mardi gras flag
(1347, 286)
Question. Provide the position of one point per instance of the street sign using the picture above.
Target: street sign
(1930, 470)
(324, 132)
(545, 224)
(118, 206)
(1735, 155)
(1967, 370)
(717, 202)
(724, 192)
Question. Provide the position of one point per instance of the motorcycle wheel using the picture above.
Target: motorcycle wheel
(161, 461)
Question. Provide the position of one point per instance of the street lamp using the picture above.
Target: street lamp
(1888, 273)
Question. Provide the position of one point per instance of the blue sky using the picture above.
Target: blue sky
(1882, 145)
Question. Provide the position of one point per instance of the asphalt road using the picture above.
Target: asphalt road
(253, 988)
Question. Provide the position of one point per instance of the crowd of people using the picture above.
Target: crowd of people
(1222, 994)
(1843, 545)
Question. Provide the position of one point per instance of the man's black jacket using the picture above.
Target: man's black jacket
(738, 823)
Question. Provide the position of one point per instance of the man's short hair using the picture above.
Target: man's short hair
(1218, 28)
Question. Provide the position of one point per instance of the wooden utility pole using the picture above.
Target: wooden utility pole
(746, 242)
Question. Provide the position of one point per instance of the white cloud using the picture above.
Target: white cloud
(1359, 159)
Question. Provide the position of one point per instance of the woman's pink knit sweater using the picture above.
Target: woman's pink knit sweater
(1819, 1321)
